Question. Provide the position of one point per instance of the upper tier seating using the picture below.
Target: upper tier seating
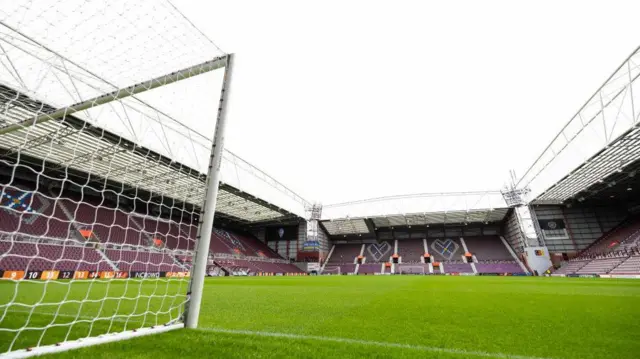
(610, 241)
(488, 248)
(445, 249)
(345, 253)
(169, 232)
(109, 224)
(32, 214)
(226, 241)
(411, 250)
(378, 252)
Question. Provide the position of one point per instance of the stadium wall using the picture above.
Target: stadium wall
(260, 234)
(287, 249)
(279, 247)
(325, 242)
(583, 225)
(537, 259)
(512, 232)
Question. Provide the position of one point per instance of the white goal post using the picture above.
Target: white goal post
(332, 270)
(407, 269)
(111, 136)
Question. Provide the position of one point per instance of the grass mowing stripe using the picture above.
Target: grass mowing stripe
(370, 343)
(327, 339)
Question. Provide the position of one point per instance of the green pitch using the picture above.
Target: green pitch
(349, 317)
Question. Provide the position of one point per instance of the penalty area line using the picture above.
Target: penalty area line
(423, 348)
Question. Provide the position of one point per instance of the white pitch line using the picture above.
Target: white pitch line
(423, 348)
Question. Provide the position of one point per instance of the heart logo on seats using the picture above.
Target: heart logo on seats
(25, 205)
(379, 250)
(446, 248)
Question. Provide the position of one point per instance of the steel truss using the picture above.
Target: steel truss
(602, 138)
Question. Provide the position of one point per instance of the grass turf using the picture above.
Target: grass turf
(356, 316)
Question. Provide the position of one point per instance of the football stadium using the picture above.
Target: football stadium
(128, 230)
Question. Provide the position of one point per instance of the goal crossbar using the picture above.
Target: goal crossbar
(118, 94)
(410, 269)
(332, 270)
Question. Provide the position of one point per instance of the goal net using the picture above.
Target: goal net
(107, 117)
(332, 271)
(411, 270)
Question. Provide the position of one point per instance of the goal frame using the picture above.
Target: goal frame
(207, 209)
(330, 268)
(410, 266)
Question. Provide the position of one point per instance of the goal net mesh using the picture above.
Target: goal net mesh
(411, 270)
(332, 270)
(107, 113)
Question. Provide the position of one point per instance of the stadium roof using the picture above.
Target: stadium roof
(59, 78)
(597, 147)
(364, 216)
(76, 144)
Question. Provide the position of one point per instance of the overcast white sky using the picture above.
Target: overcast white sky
(344, 100)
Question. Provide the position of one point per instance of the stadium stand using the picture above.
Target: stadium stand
(417, 268)
(108, 224)
(572, 266)
(260, 249)
(142, 261)
(344, 268)
(39, 257)
(489, 248)
(32, 214)
(446, 249)
(411, 250)
(345, 253)
(498, 267)
(29, 214)
(227, 241)
(601, 266)
(613, 250)
(631, 243)
(492, 255)
(630, 265)
(378, 252)
(369, 268)
(623, 236)
(344, 256)
(457, 267)
(168, 232)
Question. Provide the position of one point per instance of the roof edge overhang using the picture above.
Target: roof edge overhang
(539, 200)
(505, 208)
(56, 173)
